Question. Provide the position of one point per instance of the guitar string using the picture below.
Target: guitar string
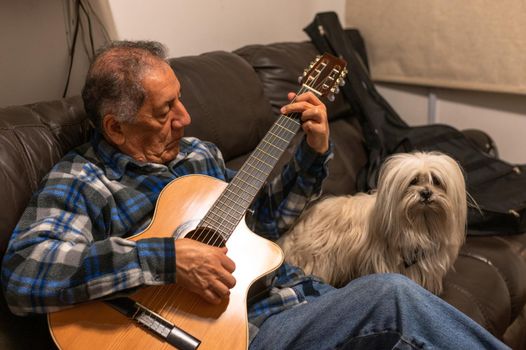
(222, 237)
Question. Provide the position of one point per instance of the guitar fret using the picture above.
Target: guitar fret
(235, 194)
(241, 189)
(260, 172)
(286, 129)
(223, 210)
(239, 201)
(217, 225)
(277, 133)
(219, 222)
(277, 136)
(271, 146)
(215, 222)
(293, 122)
(260, 160)
(235, 204)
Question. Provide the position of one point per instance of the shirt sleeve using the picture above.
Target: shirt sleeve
(57, 257)
(283, 199)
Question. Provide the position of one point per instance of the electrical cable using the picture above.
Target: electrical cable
(83, 37)
(101, 24)
(72, 51)
(90, 29)
(67, 21)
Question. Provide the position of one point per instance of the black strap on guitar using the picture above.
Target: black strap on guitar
(498, 188)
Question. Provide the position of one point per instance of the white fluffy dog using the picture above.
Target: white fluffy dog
(413, 224)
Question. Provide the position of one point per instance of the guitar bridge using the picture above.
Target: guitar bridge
(155, 323)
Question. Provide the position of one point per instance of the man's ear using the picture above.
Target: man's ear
(113, 129)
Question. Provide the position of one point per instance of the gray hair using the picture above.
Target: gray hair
(114, 81)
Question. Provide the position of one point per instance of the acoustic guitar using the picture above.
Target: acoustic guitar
(210, 211)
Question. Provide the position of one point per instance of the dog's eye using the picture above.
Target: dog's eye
(414, 181)
(436, 180)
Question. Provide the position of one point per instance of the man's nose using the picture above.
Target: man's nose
(181, 119)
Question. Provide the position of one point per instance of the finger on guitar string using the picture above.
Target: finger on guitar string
(313, 117)
(203, 269)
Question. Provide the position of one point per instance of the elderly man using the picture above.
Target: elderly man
(70, 245)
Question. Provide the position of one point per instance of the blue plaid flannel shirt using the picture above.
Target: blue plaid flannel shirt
(70, 244)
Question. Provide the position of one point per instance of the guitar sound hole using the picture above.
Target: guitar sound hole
(208, 236)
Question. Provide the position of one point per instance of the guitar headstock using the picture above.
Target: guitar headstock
(324, 75)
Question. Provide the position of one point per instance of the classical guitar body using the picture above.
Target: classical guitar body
(181, 205)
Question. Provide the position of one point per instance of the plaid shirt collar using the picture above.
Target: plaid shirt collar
(116, 162)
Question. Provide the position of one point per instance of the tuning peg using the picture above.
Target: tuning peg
(300, 78)
(341, 82)
(330, 97)
(335, 90)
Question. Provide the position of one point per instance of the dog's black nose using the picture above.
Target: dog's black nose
(425, 194)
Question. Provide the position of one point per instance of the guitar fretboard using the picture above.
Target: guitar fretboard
(228, 210)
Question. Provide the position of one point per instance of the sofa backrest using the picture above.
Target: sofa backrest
(32, 139)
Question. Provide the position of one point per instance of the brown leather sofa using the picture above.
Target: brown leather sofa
(233, 98)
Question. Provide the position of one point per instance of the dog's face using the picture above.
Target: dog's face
(423, 192)
(422, 183)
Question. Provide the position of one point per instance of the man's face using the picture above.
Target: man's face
(159, 125)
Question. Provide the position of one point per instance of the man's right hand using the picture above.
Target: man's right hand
(204, 270)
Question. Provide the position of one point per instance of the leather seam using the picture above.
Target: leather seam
(469, 295)
(488, 262)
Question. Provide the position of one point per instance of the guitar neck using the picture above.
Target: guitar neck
(226, 213)
(230, 207)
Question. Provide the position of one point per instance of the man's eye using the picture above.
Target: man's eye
(163, 114)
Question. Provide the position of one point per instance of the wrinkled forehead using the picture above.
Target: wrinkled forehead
(160, 83)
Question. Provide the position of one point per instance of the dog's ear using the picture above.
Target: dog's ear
(455, 187)
(395, 173)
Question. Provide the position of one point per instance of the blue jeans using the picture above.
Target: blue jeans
(382, 311)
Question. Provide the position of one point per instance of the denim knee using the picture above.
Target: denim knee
(387, 279)
(387, 284)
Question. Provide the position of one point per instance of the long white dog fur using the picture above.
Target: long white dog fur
(413, 224)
